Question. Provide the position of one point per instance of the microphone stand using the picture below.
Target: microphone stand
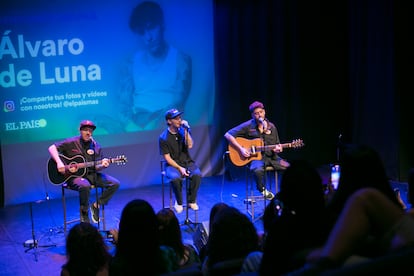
(187, 220)
(34, 243)
(264, 169)
(338, 148)
(95, 177)
(262, 135)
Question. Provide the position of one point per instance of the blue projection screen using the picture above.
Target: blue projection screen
(65, 61)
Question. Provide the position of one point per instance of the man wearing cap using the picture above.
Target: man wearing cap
(174, 144)
(86, 147)
(259, 127)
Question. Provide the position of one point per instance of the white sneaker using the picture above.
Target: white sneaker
(178, 208)
(193, 206)
(268, 195)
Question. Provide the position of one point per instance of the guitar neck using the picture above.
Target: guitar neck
(270, 147)
(89, 164)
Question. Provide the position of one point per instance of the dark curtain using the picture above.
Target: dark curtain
(327, 72)
(404, 60)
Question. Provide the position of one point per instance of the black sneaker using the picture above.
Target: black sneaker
(85, 217)
(95, 213)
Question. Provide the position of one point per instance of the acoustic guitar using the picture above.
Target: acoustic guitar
(75, 167)
(256, 147)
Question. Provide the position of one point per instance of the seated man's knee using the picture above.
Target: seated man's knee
(196, 177)
(259, 173)
(176, 182)
(84, 188)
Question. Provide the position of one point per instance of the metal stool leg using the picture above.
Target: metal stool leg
(101, 206)
(187, 220)
(276, 182)
(64, 210)
(97, 202)
(163, 178)
(247, 199)
(103, 213)
(162, 183)
(66, 222)
(251, 199)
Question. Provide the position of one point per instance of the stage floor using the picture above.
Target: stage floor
(49, 256)
(16, 222)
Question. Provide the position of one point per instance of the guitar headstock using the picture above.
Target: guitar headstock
(297, 143)
(120, 160)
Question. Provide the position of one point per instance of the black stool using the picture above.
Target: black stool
(66, 222)
(252, 196)
(187, 221)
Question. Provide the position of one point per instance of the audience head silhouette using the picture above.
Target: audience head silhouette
(296, 219)
(361, 167)
(301, 187)
(171, 236)
(232, 236)
(138, 250)
(215, 210)
(85, 250)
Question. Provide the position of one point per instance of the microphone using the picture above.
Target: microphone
(185, 124)
(93, 143)
(263, 122)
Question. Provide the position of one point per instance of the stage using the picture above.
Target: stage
(18, 258)
(49, 255)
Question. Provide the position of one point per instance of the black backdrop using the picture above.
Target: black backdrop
(324, 69)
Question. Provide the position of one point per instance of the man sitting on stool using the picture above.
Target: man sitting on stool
(174, 144)
(85, 146)
(259, 127)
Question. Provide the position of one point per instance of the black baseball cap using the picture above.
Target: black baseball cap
(172, 113)
(87, 123)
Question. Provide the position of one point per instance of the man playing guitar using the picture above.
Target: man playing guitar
(84, 145)
(258, 128)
